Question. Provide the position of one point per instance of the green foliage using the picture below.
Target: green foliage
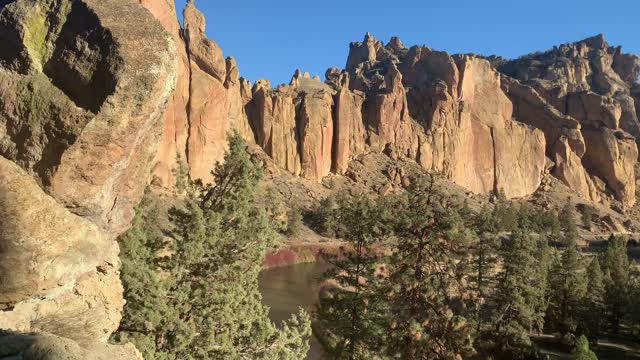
(426, 286)
(201, 301)
(615, 266)
(569, 286)
(322, 217)
(353, 312)
(276, 211)
(294, 222)
(594, 302)
(412, 303)
(581, 350)
(483, 262)
(509, 216)
(181, 175)
(634, 303)
(518, 297)
(506, 215)
(567, 219)
(587, 216)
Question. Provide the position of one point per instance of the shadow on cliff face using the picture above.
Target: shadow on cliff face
(85, 62)
(65, 65)
(13, 345)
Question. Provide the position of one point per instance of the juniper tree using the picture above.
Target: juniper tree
(147, 308)
(203, 302)
(428, 269)
(581, 350)
(615, 266)
(353, 316)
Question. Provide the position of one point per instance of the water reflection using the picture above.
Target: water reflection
(286, 289)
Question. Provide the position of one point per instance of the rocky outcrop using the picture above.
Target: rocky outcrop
(207, 103)
(349, 133)
(82, 93)
(274, 123)
(454, 114)
(592, 84)
(175, 122)
(315, 126)
(449, 114)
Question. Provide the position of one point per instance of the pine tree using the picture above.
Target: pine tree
(353, 315)
(544, 258)
(594, 302)
(581, 350)
(517, 296)
(587, 215)
(181, 174)
(568, 222)
(205, 293)
(569, 286)
(484, 260)
(615, 266)
(634, 303)
(427, 286)
(322, 217)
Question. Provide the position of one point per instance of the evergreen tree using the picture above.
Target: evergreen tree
(181, 175)
(544, 258)
(506, 214)
(594, 302)
(322, 217)
(427, 288)
(615, 266)
(567, 220)
(353, 316)
(517, 296)
(569, 286)
(276, 211)
(203, 301)
(146, 308)
(587, 215)
(484, 260)
(294, 221)
(634, 303)
(581, 350)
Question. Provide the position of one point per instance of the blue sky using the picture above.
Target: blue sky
(270, 39)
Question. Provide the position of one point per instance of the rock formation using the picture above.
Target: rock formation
(82, 94)
(206, 104)
(582, 95)
(486, 124)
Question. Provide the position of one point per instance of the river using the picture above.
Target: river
(285, 289)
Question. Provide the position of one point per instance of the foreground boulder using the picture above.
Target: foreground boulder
(83, 87)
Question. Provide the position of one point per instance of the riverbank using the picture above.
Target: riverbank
(299, 253)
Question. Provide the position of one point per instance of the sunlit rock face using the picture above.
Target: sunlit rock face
(83, 88)
(593, 86)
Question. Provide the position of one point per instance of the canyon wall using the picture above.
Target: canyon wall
(487, 124)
